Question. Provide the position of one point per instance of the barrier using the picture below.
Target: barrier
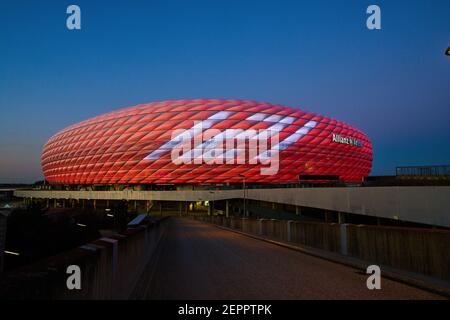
(110, 268)
(417, 250)
(251, 226)
(424, 251)
(319, 235)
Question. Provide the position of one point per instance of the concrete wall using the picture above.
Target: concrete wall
(183, 195)
(428, 205)
(110, 268)
(325, 236)
(423, 251)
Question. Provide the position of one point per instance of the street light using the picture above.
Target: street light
(243, 189)
(11, 253)
(108, 213)
(212, 204)
(112, 216)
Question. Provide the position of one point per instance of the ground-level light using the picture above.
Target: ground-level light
(12, 253)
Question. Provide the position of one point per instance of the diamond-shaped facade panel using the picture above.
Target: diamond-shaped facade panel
(205, 140)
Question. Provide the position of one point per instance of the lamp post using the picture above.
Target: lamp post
(195, 206)
(211, 205)
(243, 189)
(110, 215)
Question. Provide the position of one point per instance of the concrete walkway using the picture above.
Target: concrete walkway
(200, 261)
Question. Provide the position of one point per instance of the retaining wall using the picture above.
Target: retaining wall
(425, 251)
(110, 268)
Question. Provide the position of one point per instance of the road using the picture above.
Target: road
(200, 261)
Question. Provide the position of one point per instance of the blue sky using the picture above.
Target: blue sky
(393, 83)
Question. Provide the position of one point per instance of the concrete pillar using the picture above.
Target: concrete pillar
(344, 238)
(180, 207)
(114, 266)
(186, 207)
(227, 209)
(160, 209)
(326, 215)
(107, 203)
(260, 226)
(298, 211)
(209, 209)
(288, 233)
(48, 202)
(95, 204)
(341, 217)
(54, 203)
(135, 205)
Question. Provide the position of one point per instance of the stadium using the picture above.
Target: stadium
(267, 170)
(206, 141)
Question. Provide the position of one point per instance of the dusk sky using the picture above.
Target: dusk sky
(393, 83)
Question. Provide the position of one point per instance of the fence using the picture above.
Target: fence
(110, 268)
(425, 251)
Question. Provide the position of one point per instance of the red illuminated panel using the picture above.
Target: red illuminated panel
(135, 144)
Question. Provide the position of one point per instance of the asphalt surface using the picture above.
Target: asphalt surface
(200, 261)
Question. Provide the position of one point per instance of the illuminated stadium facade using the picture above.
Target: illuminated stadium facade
(206, 141)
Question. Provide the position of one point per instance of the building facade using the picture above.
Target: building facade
(206, 141)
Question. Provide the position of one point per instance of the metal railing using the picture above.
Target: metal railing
(423, 171)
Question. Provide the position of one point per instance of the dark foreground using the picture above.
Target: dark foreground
(201, 261)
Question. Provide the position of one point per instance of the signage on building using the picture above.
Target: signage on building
(346, 140)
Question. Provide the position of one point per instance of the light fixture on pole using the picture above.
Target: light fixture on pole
(11, 253)
(211, 205)
(243, 188)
